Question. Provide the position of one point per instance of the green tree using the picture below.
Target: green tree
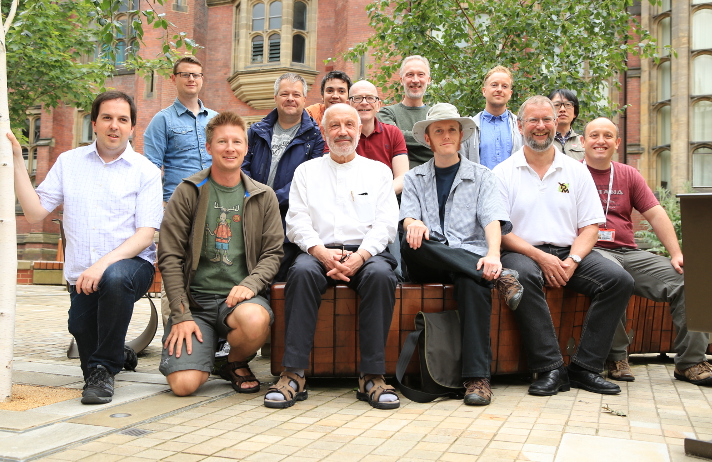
(580, 45)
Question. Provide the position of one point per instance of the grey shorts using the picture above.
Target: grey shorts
(210, 318)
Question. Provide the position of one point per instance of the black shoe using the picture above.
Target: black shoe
(550, 383)
(592, 382)
(130, 359)
(99, 387)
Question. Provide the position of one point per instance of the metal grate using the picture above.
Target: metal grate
(135, 432)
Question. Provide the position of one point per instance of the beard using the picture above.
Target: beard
(415, 93)
(537, 146)
(339, 150)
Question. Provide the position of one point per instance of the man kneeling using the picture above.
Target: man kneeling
(342, 214)
(221, 244)
(454, 218)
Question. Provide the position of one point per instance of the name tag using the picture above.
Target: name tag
(608, 235)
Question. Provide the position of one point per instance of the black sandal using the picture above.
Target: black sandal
(228, 373)
(290, 394)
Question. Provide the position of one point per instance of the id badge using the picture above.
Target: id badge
(607, 235)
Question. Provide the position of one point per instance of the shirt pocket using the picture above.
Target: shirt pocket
(365, 208)
(183, 138)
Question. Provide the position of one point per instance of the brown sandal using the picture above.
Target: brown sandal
(290, 394)
(228, 373)
(374, 394)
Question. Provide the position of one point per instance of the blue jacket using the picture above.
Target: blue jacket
(307, 144)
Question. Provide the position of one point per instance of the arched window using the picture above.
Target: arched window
(663, 169)
(702, 168)
(664, 81)
(702, 121)
(300, 16)
(258, 49)
(701, 75)
(87, 130)
(701, 32)
(274, 42)
(664, 36)
(664, 125)
(275, 15)
(258, 17)
(298, 48)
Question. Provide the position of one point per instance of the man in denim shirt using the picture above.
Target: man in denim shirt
(175, 139)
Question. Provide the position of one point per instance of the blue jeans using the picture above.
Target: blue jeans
(99, 321)
(608, 285)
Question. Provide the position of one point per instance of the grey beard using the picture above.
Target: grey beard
(539, 147)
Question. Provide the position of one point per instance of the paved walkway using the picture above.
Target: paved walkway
(146, 422)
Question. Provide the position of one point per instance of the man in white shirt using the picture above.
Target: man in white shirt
(342, 215)
(555, 212)
(112, 208)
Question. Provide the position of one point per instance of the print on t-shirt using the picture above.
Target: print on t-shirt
(223, 233)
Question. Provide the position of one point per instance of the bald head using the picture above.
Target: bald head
(360, 94)
(600, 142)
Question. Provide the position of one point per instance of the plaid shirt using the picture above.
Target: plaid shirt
(473, 203)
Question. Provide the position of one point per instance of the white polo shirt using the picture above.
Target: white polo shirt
(550, 210)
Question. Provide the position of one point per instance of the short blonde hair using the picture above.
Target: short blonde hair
(224, 118)
(497, 69)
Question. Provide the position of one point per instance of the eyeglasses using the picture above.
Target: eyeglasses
(535, 121)
(369, 99)
(188, 75)
(566, 104)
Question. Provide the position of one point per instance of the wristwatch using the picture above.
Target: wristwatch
(575, 258)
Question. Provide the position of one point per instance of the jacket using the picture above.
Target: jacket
(183, 229)
(470, 149)
(573, 147)
(307, 144)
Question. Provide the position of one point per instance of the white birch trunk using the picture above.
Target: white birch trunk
(8, 231)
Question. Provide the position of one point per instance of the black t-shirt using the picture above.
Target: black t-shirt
(443, 183)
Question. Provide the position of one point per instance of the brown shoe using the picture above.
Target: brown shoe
(699, 374)
(508, 285)
(478, 392)
(620, 370)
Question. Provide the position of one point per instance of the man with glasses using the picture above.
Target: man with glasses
(567, 110)
(555, 212)
(342, 214)
(334, 89)
(496, 134)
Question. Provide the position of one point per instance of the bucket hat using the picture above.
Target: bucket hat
(439, 112)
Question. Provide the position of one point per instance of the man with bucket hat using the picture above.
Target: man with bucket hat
(453, 219)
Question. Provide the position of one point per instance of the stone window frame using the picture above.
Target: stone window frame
(695, 98)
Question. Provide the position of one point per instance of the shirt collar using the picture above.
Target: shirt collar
(489, 117)
(125, 156)
(181, 109)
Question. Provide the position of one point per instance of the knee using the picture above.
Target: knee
(251, 321)
(184, 383)
(380, 272)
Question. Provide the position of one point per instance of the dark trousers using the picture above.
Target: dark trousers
(290, 254)
(609, 286)
(438, 262)
(99, 321)
(375, 282)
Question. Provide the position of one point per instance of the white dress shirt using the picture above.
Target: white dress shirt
(342, 204)
(104, 203)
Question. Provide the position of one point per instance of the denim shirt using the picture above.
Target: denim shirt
(175, 142)
(473, 203)
(495, 139)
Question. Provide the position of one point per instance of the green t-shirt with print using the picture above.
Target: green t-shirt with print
(222, 262)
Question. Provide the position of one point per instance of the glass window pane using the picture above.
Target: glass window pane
(258, 17)
(701, 31)
(258, 49)
(664, 125)
(702, 168)
(275, 15)
(298, 45)
(702, 75)
(36, 129)
(122, 27)
(120, 53)
(274, 48)
(87, 130)
(663, 169)
(666, 4)
(664, 36)
(33, 161)
(300, 16)
(123, 5)
(694, 2)
(26, 129)
(26, 156)
(664, 83)
(702, 121)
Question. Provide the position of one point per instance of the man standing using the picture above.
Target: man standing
(112, 208)
(279, 143)
(221, 243)
(334, 90)
(342, 215)
(415, 77)
(175, 139)
(496, 134)
(447, 242)
(551, 200)
(622, 189)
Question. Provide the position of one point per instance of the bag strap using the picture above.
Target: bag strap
(403, 360)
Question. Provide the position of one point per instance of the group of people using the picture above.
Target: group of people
(347, 191)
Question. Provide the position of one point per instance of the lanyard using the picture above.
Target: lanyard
(610, 187)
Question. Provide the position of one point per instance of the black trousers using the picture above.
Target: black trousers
(375, 282)
(437, 262)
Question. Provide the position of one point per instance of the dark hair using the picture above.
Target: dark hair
(189, 60)
(569, 96)
(111, 95)
(224, 118)
(335, 75)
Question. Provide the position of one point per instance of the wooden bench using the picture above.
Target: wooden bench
(335, 352)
